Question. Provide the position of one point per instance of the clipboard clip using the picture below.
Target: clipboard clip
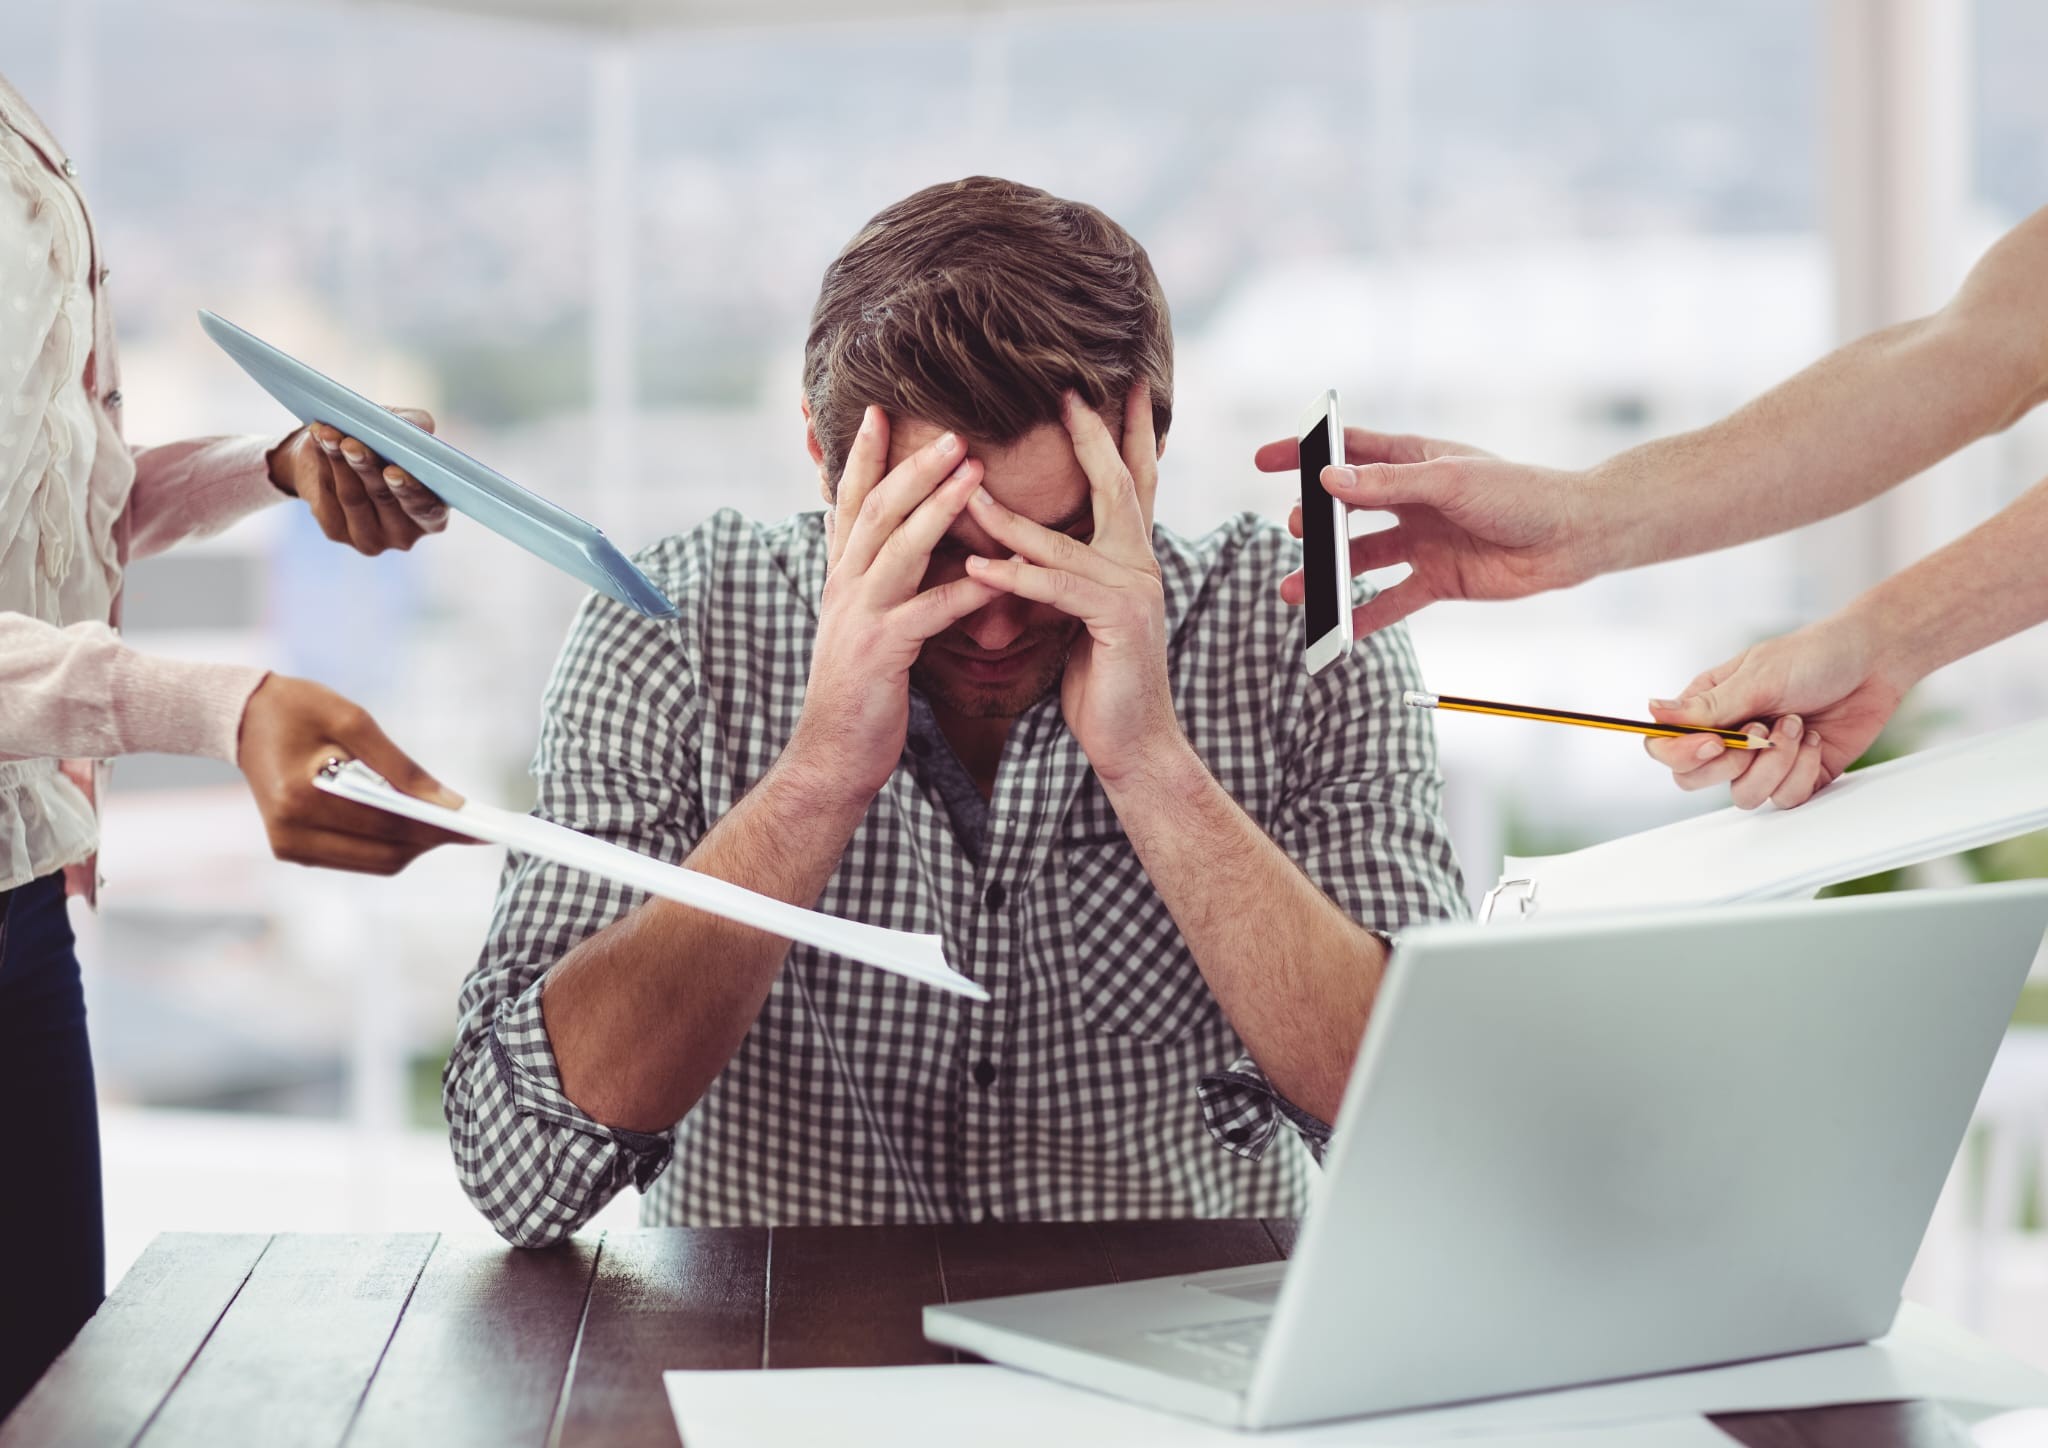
(1524, 896)
(337, 768)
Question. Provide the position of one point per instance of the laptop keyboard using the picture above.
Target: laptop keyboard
(1236, 1340)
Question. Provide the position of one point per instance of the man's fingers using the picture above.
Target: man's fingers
(1119, 518)
(1762, 779)
(1361, 445)
(1381, 548)
(1727, 705)
(1141, 447)
(1807, 774)
(1728, 765)
(885, 507)
(1698, 761)
(1282, 455)
(935, 610)
(1388, 485)
(1390, 606)
(866, 461)
(1686, 754)
(1070, 593)
(1039, 544)
(907, 552)
(1697, 704)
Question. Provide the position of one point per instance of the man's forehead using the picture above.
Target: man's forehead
(1037, 476)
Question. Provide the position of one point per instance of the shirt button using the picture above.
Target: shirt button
(994, 896)
(114, 398)
(1238, 1135)
(70, 167)
(984, 1073)
(105, 272)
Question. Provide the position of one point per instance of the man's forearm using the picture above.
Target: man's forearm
(1987, 585)
(1856, 423)
(645, 1014)
(1294, 974)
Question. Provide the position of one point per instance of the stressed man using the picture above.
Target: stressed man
(979, 695)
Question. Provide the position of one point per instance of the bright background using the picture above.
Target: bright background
(588, 237)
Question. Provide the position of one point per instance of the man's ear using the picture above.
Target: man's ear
(817, 453)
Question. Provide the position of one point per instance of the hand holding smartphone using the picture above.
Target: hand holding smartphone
(1325, 541)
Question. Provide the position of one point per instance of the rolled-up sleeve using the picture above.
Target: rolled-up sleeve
(1362, 814)
(616, 760)
(1244, 1113)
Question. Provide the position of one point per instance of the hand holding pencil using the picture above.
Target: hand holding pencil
(1777, 722)
(1827, 691)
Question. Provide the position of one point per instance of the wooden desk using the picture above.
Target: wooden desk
(374, 1340)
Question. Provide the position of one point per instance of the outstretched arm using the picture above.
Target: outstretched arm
(1857, 422)
(1831, 687)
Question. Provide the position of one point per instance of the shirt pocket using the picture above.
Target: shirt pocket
(1136, 976)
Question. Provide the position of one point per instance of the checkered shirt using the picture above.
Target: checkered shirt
(1100, 1081)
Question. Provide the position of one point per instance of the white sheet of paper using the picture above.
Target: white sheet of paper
(991, 1407)
(1956, 797)
(1924, 1356)
(919, 957)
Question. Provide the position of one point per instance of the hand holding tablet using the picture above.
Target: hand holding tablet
(550, 533)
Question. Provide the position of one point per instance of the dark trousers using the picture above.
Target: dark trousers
(50, 1222)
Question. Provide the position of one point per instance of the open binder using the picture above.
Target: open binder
(1938, 802)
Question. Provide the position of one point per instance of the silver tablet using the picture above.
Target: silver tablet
(552, 534)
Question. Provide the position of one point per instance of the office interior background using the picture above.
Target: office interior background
(587, 236)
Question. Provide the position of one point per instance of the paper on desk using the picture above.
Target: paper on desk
(1923, 1356)
(1927, 805)
(992, 1407)
(918, 957)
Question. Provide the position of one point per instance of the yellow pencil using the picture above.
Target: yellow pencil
(1733, 738)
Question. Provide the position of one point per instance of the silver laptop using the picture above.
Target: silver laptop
(1588, 1150)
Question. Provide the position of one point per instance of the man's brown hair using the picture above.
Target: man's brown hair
(973, 305)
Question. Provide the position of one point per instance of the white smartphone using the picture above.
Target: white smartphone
(1325, 540)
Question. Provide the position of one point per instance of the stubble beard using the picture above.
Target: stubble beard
(990, 701)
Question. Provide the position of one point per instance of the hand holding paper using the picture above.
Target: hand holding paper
(917, 957)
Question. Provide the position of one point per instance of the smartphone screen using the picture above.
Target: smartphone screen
(1318, 537)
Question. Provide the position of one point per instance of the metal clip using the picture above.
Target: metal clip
(1525, 902)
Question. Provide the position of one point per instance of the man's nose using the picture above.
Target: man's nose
(997, 624)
